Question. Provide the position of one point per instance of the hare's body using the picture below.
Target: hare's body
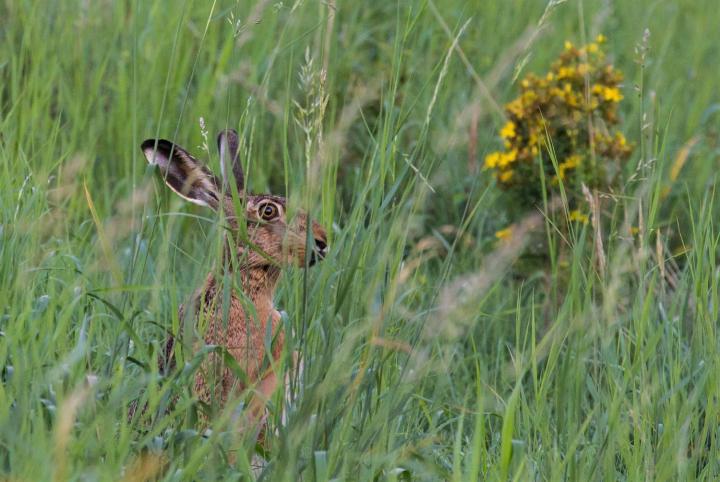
(247, 325)
(243, 335)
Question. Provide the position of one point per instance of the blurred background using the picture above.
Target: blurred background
(436, 347)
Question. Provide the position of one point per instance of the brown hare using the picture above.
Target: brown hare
(241, 324)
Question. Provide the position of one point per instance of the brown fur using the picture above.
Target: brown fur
(255, 263)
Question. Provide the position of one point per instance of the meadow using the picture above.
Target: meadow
(433, 350)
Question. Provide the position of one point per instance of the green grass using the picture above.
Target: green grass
(445, 364)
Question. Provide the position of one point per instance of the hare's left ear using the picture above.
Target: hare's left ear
(229, 146)
(183, 173)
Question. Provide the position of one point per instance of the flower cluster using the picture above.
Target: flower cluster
(570, 112)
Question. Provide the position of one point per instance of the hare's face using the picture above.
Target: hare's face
(272, 238)
(284, 240)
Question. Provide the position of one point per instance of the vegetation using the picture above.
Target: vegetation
(428, 355)
(566, 115)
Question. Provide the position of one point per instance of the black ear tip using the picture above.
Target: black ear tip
(163, 145)
(148, 144)
(230, 134)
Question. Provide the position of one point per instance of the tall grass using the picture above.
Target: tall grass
(427, 354)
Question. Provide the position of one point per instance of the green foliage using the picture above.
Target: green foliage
(424, 357)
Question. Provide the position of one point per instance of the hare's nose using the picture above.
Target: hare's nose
(321, 246)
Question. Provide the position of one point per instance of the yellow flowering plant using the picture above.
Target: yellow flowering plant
(570, 116)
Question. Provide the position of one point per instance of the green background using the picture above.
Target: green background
(428, 354)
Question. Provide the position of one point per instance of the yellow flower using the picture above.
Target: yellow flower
(593, 48)
(572, 100)
(533, 139)
(568, 45)
(504, 234)
(508, 130)
(612, 94)
(506, 176)
(516, 108)
(620, 139)
(565, 72)
(570, 163)
(609, 94)
(492, 159)
(529, 97)
(600, 39)
(506, 158)
(576, 215)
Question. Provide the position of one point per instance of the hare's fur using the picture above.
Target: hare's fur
(272, 242)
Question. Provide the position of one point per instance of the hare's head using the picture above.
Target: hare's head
(272, 239)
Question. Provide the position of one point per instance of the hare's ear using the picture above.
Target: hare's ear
(182, 172)
(228, 145)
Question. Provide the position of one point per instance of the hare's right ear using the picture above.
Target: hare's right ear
(229, 147)
(182, 172)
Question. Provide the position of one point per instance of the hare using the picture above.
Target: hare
(242, 324)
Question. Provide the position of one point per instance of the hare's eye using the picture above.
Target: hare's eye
(268, 211)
